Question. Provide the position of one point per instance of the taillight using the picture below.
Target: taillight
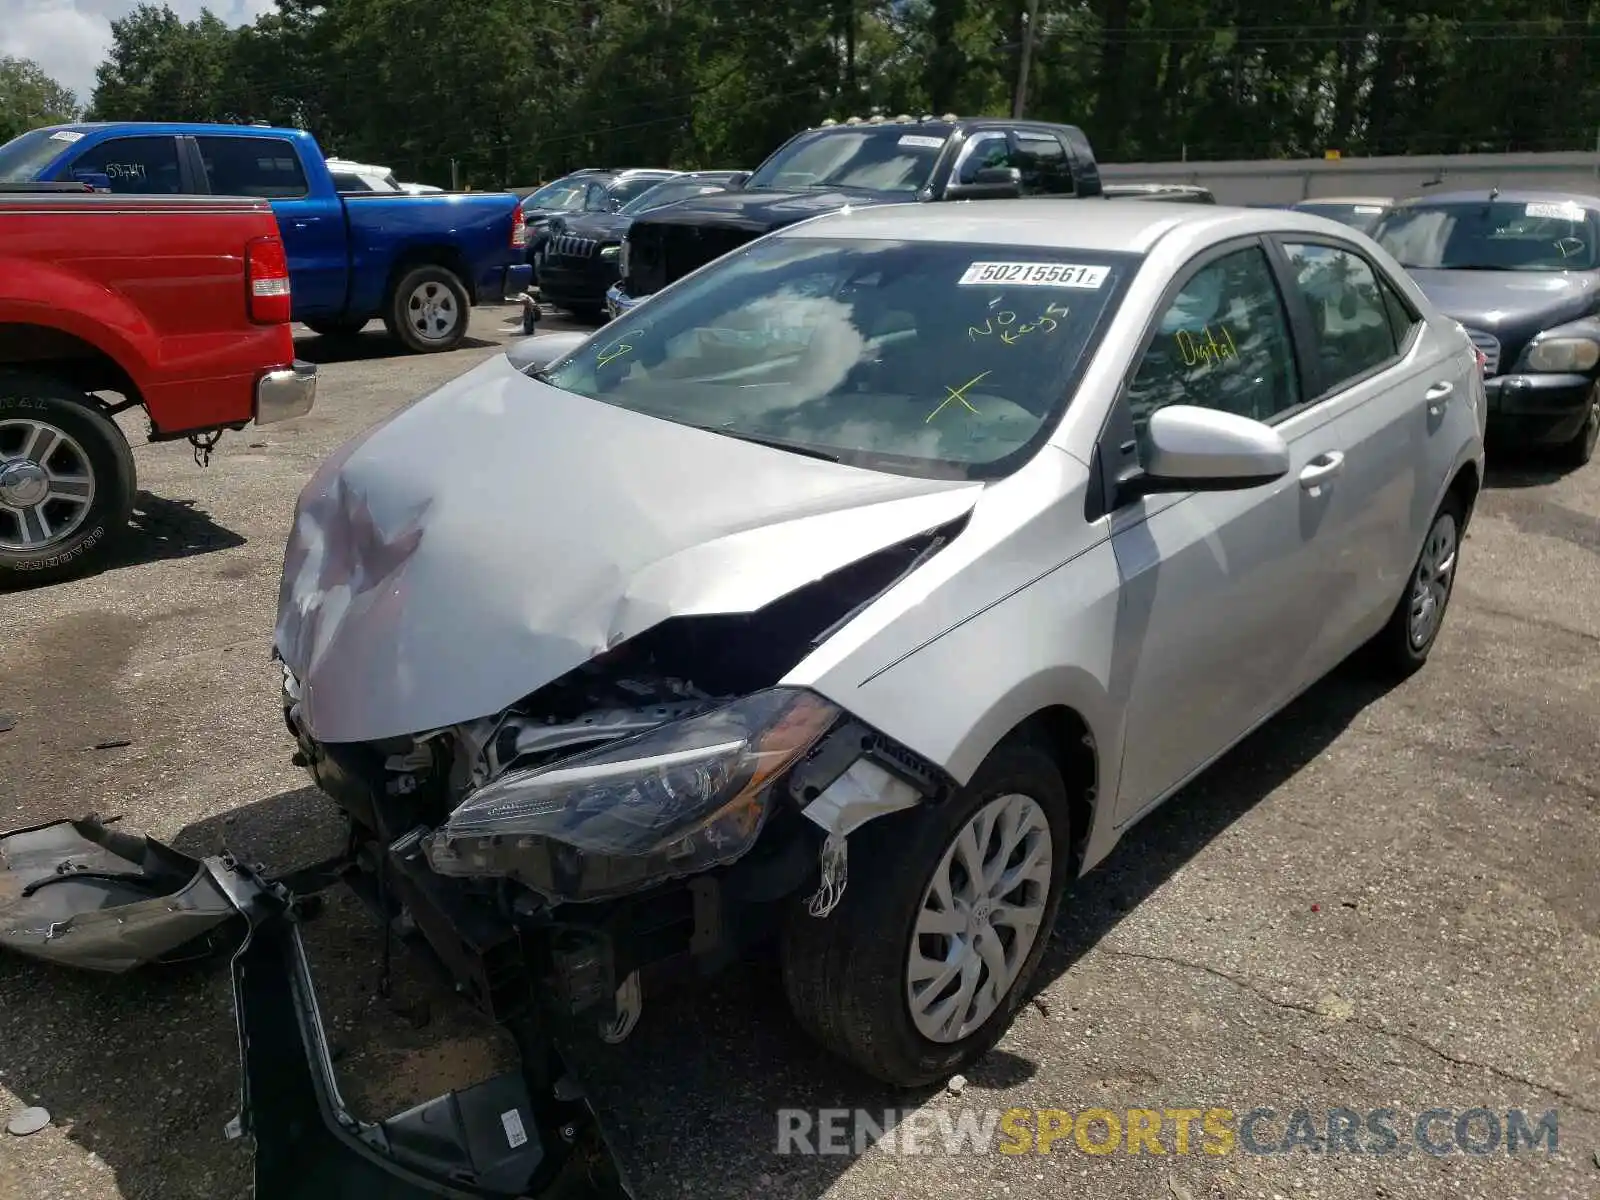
(519, 228)
(266, 278)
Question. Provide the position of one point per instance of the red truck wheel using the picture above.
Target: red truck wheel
(66, 482)
(428, 310)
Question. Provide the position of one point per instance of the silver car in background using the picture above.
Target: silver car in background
(865, 586)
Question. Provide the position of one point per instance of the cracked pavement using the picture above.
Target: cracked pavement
(1381, 900)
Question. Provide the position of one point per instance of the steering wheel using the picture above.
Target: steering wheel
(1570, 246)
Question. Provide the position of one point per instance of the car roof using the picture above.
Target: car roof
(1384, 200)
(1506, 196)
(1088, 224)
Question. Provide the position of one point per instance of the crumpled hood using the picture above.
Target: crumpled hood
(497, 533)
(1496, 300)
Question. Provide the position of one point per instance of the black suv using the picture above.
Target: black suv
(592, 189)
(857, 163)
(579, 260)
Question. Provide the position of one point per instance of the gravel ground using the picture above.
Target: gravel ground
(1382, 900)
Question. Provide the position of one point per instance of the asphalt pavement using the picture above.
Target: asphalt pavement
(1384, 900)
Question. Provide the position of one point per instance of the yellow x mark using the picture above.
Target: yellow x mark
(960, 394)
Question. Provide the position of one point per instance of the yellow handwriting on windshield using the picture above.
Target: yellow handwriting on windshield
(1204, 346)
(612, 352)
(957, 395)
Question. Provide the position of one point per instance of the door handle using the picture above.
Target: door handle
(1439, 395)
(1321, 470)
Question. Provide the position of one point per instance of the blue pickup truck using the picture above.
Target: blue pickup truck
(417, 262)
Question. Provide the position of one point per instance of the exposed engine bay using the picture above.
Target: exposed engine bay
(645, 815)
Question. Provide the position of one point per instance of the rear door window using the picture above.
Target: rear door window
(1353, 327)
(136, 166)
(1046, 169)
(252, 166)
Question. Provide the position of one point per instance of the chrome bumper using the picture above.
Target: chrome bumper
(286, 393)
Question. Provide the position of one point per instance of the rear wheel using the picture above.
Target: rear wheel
(428, 310)
(1580, 450)
(66, 481)
(945, 916)
(1405, 642)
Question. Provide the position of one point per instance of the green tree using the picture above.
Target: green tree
(30, 98)
(162, 68)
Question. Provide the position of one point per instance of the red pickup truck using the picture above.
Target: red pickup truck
(176, 304)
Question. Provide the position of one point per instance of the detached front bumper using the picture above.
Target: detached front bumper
(81, 894)
(1538, 409)
(286, 393)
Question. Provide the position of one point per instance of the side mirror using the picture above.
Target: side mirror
(1192, 449)
(989, 183)
(737, 181)
(537, 353)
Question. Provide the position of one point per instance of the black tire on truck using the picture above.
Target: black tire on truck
(66, 481)
(428, 309)
(337, 327)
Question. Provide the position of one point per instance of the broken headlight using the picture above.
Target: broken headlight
(674, 801)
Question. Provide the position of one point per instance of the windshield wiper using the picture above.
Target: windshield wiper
(1478, 267)
(775, 443)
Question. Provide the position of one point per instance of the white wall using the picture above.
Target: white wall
(1286, 181)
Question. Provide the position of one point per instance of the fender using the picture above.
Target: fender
(55, 297)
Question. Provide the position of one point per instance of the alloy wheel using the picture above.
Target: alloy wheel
(979, 917)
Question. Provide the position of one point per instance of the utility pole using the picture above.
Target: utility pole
(1021, 101)
(455, 179)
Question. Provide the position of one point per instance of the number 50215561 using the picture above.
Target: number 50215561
(1034, 274)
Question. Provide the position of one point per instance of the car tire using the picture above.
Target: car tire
(848, 974)
(336, 328)
(63, 436)
(1580, 449)
(589, 314)
(428, 310)
(1403, 646)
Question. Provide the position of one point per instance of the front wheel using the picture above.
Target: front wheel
(66, 482)
(428, 310)
(945, 916)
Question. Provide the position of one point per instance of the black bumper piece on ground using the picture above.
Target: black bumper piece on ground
(82, 894)
(481, 1142)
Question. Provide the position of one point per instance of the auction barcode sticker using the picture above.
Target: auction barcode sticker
(511, 1122)
(1034, 274)
(1555, 212)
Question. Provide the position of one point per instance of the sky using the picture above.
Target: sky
(69, 38)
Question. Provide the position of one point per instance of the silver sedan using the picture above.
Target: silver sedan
(875, 578)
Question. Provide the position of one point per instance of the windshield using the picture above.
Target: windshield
(884, 159)
(24, 157)
(669, 192)
(1358, 216)
(627, 189)
(563, 194)
(921, 358)
(1491, 236)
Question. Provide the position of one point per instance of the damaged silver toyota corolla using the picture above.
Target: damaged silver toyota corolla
(860, 588)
